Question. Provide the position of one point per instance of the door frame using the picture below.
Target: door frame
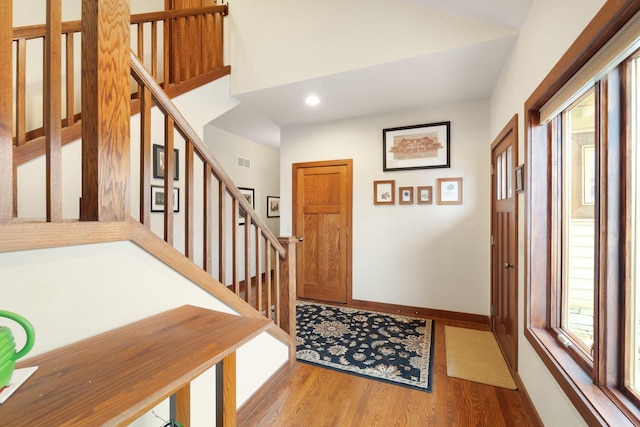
(510, 128)
(349, 216)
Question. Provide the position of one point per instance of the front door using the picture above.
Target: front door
(504, 283)
(322, 199)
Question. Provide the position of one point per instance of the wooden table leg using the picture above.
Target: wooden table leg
(183, 406)
(226, 391)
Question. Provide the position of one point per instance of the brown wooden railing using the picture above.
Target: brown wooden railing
(249, 258)
(156, 37)
(255, 251)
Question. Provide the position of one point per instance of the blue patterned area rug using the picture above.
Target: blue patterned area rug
(386, 347)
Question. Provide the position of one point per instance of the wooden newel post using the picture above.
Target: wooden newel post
(288, 287)
(6, 111)
(105, 110)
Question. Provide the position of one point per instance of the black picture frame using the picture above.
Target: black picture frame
(158, 162)
(157, 199)
(426, 146)
(273, 207)
(250, 195)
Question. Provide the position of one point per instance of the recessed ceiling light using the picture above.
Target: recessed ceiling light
(312, 100)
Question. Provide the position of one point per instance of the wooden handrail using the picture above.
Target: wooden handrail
(182, 13)
(258, 255)
(165, 105)
(29, 32)
(278, 281)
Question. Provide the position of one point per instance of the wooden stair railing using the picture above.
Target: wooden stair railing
(248, 255)
(153, 44)
(255, 251)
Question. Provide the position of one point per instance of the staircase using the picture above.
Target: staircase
(120, 250)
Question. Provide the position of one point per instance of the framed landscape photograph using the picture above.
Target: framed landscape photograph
(159, 162)
(449, 191)
(249, 195)
(426, 146)
(273, 207)
(384, 192)
(406, 195)
(425, 195)
(158, 199)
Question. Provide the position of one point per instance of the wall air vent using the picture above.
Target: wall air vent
(244, 163)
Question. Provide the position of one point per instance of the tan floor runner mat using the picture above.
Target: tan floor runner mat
(475, 356)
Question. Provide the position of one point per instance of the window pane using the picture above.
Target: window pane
(578, 234)
(509, 172)
(503, 165)
(634, 338)
(499, 178)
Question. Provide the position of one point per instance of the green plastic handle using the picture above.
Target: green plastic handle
(28, 328)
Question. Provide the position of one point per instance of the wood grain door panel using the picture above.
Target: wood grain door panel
(504, 254)
(322, 216)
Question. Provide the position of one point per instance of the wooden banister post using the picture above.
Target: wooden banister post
(53, 109)
(6, 112)
(288, 290)
(105, 110)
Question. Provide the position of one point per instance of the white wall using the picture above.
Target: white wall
(263, 176)
(75, 292)
(550, 28)
(420, 255)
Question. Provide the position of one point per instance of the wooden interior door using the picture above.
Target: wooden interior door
(504, 237)
(322, 200)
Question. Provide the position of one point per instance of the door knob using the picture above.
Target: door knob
(300, 239)
(507, 265)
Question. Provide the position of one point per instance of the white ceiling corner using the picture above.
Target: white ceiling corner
(465, 72)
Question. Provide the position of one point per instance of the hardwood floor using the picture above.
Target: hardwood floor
(311, 396)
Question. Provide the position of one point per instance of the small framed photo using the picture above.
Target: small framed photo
(520, 178)
(249, 194)
(384, 192)
(449, 191)
(425, 195)
(159, 162)
(426, 146)
(273, 207)
(406, 195)
(158, 199)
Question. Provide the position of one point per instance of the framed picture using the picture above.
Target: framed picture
(425, 195)
(273, 207)
(159, 162)
(425, 146)
(384, 192)
(406, 195)
(449, 191)
(249, 194)
(157, 199)
(520, 178)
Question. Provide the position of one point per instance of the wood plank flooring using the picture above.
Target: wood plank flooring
(311, 396)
